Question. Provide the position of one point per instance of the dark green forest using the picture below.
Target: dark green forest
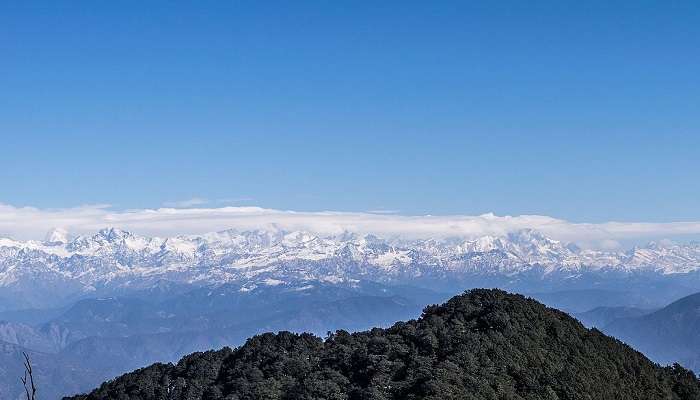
(484, 344)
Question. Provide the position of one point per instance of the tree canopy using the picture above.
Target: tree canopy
(483, 344)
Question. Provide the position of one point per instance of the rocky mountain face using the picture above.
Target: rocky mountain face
(39, 274)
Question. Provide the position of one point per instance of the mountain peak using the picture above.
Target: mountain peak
(529, 236)
(227, 256)
(57, 236)
(113, 234)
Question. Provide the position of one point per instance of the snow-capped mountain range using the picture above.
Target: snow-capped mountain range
(116, 257)
(113, 294)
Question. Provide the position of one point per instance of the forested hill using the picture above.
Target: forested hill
(484, 344)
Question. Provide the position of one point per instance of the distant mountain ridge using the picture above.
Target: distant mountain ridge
(671, 334)
(35, 274)
(600, 317)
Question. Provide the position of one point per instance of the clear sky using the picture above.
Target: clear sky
(587, 111)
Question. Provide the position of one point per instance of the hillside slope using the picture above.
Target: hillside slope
(600, 317)
(484, 344)
(671, 334)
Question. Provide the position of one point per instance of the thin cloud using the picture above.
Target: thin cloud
(33, 223)
(195, 201)
(234, 200)
(200, 201)
(383, 211)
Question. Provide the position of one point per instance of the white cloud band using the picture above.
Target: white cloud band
(33, 223)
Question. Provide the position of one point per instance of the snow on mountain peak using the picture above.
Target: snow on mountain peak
(112, 234)
(113, 254)
(57, 235)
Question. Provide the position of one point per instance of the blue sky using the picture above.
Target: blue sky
(586, 112)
